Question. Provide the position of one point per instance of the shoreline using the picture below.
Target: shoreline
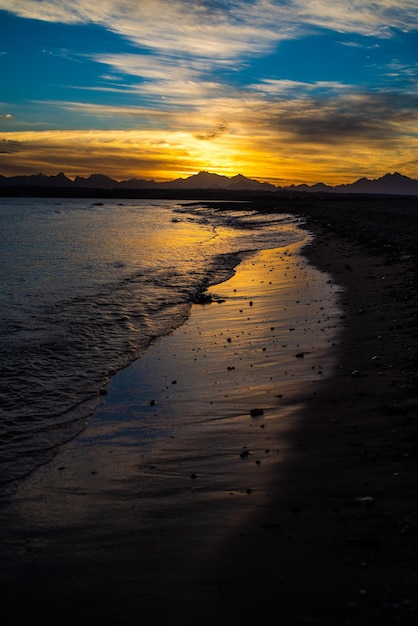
(337, 542)
(332, 538)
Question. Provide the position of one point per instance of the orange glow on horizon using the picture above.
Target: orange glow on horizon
(154, 155)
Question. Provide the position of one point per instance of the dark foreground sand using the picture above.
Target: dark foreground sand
(339, 543)
(317, 525)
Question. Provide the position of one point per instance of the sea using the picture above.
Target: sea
(87, 285)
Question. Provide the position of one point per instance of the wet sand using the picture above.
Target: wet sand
(337, 542)
(199, 511)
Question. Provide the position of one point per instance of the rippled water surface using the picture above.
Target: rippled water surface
(85, 287)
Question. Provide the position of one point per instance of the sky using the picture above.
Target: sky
(283, 91)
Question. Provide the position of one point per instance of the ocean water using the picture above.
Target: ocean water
(85, 288)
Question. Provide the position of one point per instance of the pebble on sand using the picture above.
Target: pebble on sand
(366, 501)
(358, 374)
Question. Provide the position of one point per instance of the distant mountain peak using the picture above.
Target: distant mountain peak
(395, 175)
(390, 183)
(99, 181)
(396, 184)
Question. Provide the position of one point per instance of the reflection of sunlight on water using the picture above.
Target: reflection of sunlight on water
(166, 443)
(228, 358)
(91, 286)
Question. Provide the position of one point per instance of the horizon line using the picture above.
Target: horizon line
(211, 173)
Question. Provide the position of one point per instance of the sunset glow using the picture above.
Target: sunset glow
(291, 92)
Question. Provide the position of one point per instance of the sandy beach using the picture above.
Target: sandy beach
(258, 463)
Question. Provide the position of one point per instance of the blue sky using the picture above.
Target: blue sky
(278, 90)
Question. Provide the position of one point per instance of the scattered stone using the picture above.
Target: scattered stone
(193, 475)
(244, 453)
(366, 501)
(256, 412)
(203, 298)
(358, 374)
(152, 403)
(300, 355)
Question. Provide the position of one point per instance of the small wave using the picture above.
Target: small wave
(63, 337)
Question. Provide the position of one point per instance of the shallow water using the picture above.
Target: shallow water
(86, 287)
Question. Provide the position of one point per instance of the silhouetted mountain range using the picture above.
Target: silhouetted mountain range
(388, 184)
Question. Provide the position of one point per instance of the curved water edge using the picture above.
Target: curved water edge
(88, 287)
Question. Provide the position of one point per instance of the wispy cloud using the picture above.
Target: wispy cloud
(396, 69)
(121, 154)
(346, 118)
(8, 146)
(346, 132)
(162, 79)
(214, 133)
(350, 44)
(299, 89)
(355, 16)
(190, 40)
(221, 30)
(177, 108)
(238, 25)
